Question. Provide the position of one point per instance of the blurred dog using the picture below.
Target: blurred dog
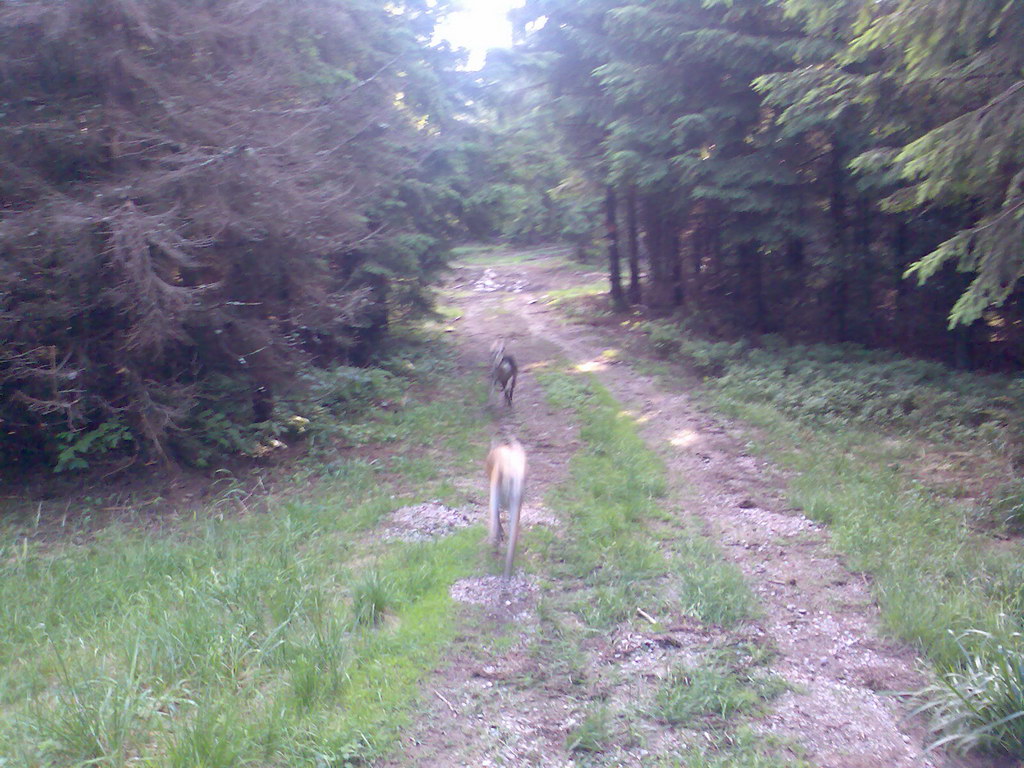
(506, 473)
(504, 371)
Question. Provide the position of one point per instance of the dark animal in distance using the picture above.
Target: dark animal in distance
(503, 371)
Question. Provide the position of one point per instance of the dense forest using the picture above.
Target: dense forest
(774, 461)
(199, 199)
(829, 171)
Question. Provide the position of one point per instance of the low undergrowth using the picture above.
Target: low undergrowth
(501, 255)
(291, 638)
(723, 683)
(846, 385)
(627, 554)
(582, 303)
(855, 426)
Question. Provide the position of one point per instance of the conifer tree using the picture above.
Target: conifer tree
(201, 193)
(966, 60)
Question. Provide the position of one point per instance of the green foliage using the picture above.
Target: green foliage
(79, 447)
(794, 161)
(98, 722)
(1008, 506)
(592, 734)
(224, 642)
(674, 340)
(710, 588)
(337, 401)
(721, 685)
(848, 385)
(344, 389)
(241, 239)
(971, 152)
(666, 338)
(980, 704)
(372, 596)
(746, 749)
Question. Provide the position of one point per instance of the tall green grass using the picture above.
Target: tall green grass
(290, 638)
(847, 421)
(241, 640)
(625, 551)
(614, 501)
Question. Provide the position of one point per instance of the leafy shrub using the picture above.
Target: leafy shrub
(713, 358)
(347, 390)
(675, 340)
(325, 401)
(666, 338)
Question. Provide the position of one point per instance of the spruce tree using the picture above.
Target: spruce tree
(963, 63)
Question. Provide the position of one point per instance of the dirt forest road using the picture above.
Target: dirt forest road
(499, 700)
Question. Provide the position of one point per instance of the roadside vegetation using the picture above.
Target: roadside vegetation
(909, 464)
(294, 638)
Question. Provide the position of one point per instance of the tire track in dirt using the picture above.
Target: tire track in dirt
(820, 617)
(503, 708)
(513, 709)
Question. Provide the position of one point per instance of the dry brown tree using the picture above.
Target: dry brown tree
(188, 188)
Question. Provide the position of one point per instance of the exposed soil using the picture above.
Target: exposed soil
(514, 706)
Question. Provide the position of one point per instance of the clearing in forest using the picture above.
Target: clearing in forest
(670, 605)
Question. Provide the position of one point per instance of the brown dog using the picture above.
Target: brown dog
(506, 473)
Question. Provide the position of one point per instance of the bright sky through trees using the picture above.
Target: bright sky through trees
(480, 26)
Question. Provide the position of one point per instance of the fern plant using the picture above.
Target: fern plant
(79, 446)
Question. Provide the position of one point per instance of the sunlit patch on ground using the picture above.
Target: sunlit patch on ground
(601, 362)
(592, 366)
(685, 438)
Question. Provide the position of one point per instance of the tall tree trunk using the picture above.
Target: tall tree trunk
(840, 238)
(900, 321)
(659, 276)
(633, 240)
(751, 265)
(612, 235)
(676, 260)
(841, 306)
(706, 254)
(866, 330)
(963, 346)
